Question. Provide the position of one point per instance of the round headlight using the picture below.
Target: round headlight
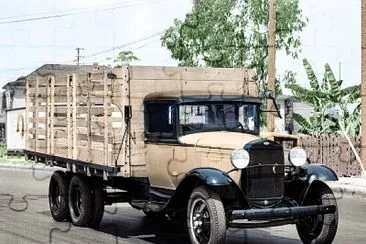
(297, 156)
(240, 158)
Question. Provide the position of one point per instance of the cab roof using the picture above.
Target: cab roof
(206, 98)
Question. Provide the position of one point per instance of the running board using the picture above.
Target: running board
(148, 206)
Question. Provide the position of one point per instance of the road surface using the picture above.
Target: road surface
(25, 218)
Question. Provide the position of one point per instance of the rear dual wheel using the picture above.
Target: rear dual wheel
(58, 196)
(80, 199)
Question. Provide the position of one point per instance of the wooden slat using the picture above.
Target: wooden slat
(97, 155)
(185, 73)
(96, 90)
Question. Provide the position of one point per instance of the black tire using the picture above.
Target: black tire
(206, 219)
(97, 208)
(58, 196)
(320, 229)
(80, 201)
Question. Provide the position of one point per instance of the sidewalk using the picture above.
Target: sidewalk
(26, 165)
(350, 185)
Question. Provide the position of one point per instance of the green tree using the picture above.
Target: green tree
(125, 57)
(325, 95)
(233, 33)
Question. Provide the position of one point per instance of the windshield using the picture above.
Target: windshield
(240, 117)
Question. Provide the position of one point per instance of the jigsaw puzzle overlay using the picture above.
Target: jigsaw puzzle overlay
(117, 222)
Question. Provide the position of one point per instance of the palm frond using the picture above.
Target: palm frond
(304, 94)
(335, 87)
(314, 83)
(352, 93)
(304, 123)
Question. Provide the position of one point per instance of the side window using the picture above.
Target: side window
(159, 120)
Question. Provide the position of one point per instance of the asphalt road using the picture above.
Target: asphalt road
(25, 218)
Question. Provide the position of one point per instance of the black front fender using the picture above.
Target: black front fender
(311, 175)
(211, 176)
(319, 172)
(216, 179)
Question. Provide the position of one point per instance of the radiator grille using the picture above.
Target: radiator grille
(264, 178)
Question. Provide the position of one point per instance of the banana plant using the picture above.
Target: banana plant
(324, 95)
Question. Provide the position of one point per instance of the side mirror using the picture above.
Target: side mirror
(269, 94)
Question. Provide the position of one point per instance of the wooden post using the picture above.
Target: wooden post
(69, 127)
(52, 115)
(47, 115)
(271, 61)
(27, 104)
(106, 104)
(74, 108)
(36, 124)
(89, 133)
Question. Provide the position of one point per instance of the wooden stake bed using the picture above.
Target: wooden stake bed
(80, 118)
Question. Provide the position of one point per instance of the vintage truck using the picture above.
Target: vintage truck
(177, 142)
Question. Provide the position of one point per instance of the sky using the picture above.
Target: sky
(333, 34)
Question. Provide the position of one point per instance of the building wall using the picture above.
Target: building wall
(299, 107)
(17, 99)
(363, 78)
(15, 130)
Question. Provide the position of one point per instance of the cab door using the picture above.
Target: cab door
(160, 138)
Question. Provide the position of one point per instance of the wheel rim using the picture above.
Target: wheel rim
(314, 223)
(56, 197)
(77, 202)
(200, 221)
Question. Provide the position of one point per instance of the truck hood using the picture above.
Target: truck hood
(219, 139)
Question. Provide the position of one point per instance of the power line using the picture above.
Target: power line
(97, 53)
(61, 11)
(125, 45)
(78, 13)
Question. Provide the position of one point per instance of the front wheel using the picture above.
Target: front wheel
(206, 217)
(322, 228)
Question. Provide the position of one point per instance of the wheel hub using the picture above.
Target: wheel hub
(200, 221)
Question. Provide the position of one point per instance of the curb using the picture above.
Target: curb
(349, 188)
(27, 166)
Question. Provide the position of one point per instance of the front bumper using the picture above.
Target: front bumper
(282, 212)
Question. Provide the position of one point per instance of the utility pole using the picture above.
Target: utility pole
(363, 83)
(78, 49)
(271, 62)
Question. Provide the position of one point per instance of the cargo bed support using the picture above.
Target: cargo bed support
(75, 166)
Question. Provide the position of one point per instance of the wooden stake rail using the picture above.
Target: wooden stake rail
(72, 116)
(79, 117)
